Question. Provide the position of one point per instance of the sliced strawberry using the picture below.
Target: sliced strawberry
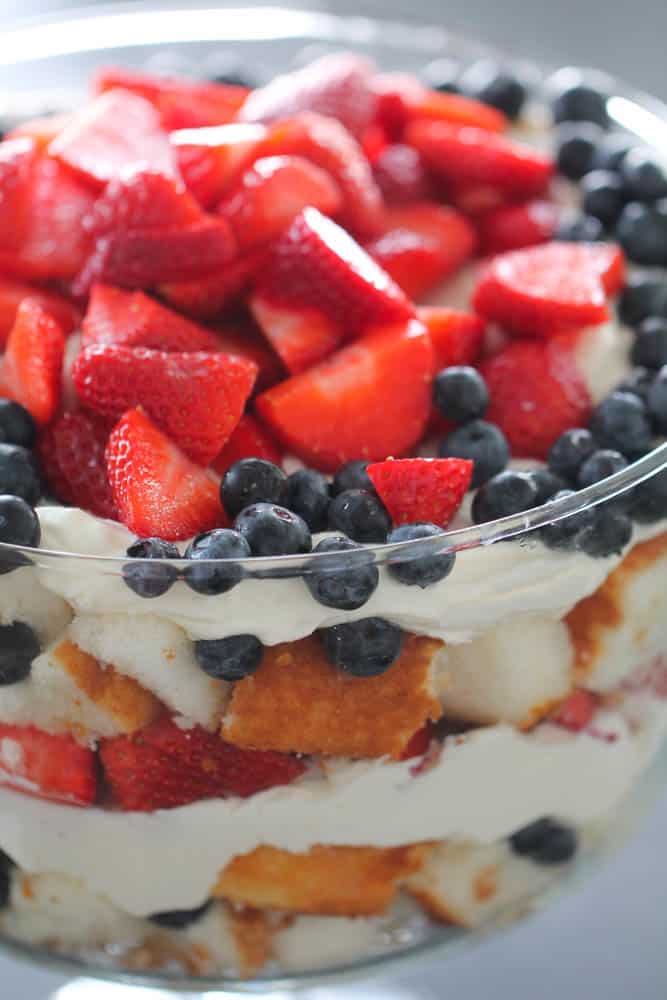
(71, 453)
(142, 199)
(461, 154)
(17, 161)
(12, 293)
(422, 489)
(271, 193)
(206, 297)
(401, 175)
(116, 132)
(165, 765)
(328, 144)
(243, 338)
(249, 440)
(419, 743)
(548, 289)
(132, 319)
(50, 767)
(577, 711)
(402, 99)
(210, 160)
(41, 130)
(457, 337)
(369, 400)
(513, 227)
(157, 489)
(339, 86)
(319, 286)
(537, 392)
(197, 399)
(423, 244)
(31, 370)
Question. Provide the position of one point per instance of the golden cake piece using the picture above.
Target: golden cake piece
(252, 933)
(298, 702)
(623, 625)
(338, 881)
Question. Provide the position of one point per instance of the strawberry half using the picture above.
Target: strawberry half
(402, 99)
(71, 454)
(400, 174)
(369, 400)
(537, 393)
(12, 294)
(116, 132)
(197, 399)
(210, 160)
(249, 440)
(142, 200)
(41, 130)
(244, 339)
(550, 289)
(457, 337)
(50, 767)
(513, 227)
(577, 711)
(461, 154)
(206, 297)
(157, 489)
(422, 489)
(32, 364)
(164, 766)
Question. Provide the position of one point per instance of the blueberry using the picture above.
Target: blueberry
(643, 297)
(621, 422)
(19, 525)
(154, 578)
(643, 175)
(219, 544)
(638, 382)
(178, 919)
(365, 648)
(483, 443)
(271, 530)
(361, 516)
(19, 474)
(495, 85)
(16, 424)
(602, 195)
(575, 99)
(420, 570)
(460, 393)
(650, 347)
(506, 493)
(545, 841)
(576, 145)
(343, 582)
(308, 496)
(252, 480)
(611, 150)
(648, 501)
(5, 880)
(657, 401)
(581, 229)
(19, 646)
(642, 232)
(564, 534)
(601, 464)
(231, 658)
(547, 484)
(352, 476)
(610, 532)
(570, 451)
(443, 75)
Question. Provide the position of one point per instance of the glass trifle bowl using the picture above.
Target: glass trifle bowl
(400, 711)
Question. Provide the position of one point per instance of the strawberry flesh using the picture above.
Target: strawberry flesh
(457, 337)
(422, 489)
(71, 453)
(577, 711)
(13, 292)
(47, 766)
(249, 440)
(207, 297)
(513, 227)
(210, 160)
(31, 371)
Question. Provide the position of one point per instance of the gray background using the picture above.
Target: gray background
(606, 941)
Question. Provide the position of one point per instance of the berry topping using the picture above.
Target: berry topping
(151, 578)
(545, 841)
(493, 84)
(32, 363)
(401, 175)
(365, 648)
(230, 659)
(599, 465)
(611, 150)
(19, 646)
(575, 98)
(19, 525)
(643, 296)
(650, 347)
(547, 484)
(513, 227)
(603, 195)
(71, 453)
(456, 336)
(648, 501)
(252, 480)
(343, 582)
(420, 570)
(657, 401)
(249, 440)
(483, 444)
(565, 534)
(179, 919)
(642, 232)
(609, 533)
(308, 495)
(12, 294)
(577, 711)
(643, 175)
(422, 489)
(352, 476)
(621, 422)
(219, 544)
(568, 452)
(361, 515)
(577, 146)
(16, 424)
(19, 473)
(506, 493)
(460, 393)
(581, 229)
(271, 530)
(51, 767)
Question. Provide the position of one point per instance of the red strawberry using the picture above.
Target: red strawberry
(319, 286)
(339, 86)
(401, 175)
(246, 340)
(210, 160)
(41, 130)
(419, 743)
(513, 227)
(50, 767)
(271, 193)
(422, 489)
(402, 99)
(71, 453)
(549, 289)
(132, 319)
(577, 711)
(249, 440)
(158, 491)
(457, 337)
(461, 154)
(536, 393)
(32, 364)
(12, 293)
(17, 162)
(423, 244)
(164, 766)
(369, 400)
(197, 399)
(142, 199)
(206, 297)
(116, 132)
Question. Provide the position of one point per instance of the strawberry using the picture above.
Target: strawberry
(157, 489)
(117, 132)
(472, 155)
(12, 293)
(422, 245)
(17, 162)
(548, 289)
(210, 160)
(536, 393)
(457, 337)
(206, 297)
(132, 319)
(419, 743)
(142, 199)
(244, 339)
(577, 711)
(402, 99)
(513, 227)
(50, 767)
(41, 130)
(318, 286)
(31, 370)
(422, 489)
(338, 86)
(328, 144)
(401, 175)
(369, 400)
(197, 399)
(164, 766)
(249, 440)
(271, 193)
(71, 453)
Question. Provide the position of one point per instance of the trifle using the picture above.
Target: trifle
(333, 510)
